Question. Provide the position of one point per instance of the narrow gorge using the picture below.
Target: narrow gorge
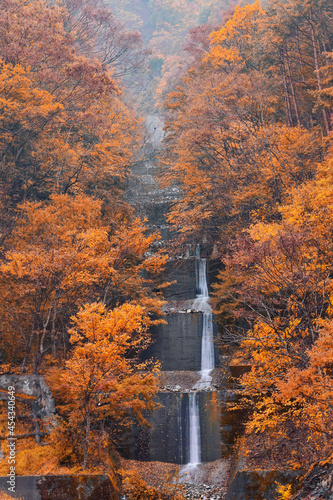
(186, 429)
(166, 276)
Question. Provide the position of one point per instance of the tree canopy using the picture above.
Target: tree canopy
(249, 142)
(79, 272)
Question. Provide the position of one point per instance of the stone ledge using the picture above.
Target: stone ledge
(185, 380)
(81, 487)
(260, 484)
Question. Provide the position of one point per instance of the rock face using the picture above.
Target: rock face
(168, 438)
(317, 484)
(260, 484)
(231, 422)
(30, 385)
(93, 487)
(182, 274)
(178, 343)
(178, 346)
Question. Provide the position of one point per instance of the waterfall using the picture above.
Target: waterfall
(207, 348)
(202, 287)
(188, 471)
(202, 304)
(207, 360)
(194, 430)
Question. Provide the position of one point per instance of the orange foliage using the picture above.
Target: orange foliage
(284, 291)
(61, 255)
(249, 143)
(72, 252)
(111, 387)
(63, 125)
(136, 488)
(238, 140)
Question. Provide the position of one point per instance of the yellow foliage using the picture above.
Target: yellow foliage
(237, 34)
(284, 492)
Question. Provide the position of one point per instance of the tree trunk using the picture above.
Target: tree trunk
(315, 55)
(86, 441)
(36, 422)
(293, 94)
(286, 93)
(32, 334)
(300, 55)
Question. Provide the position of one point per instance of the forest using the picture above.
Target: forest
(246, 94)
(250, 137)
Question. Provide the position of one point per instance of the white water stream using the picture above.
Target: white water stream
(194, 424)
(207, 359)
(207, 344)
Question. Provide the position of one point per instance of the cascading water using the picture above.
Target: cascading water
(194, 430)
(207, 343)
(207, 360)
(207, 350)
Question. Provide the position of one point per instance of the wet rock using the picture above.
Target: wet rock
(177, 344)
(168, 438)
(182, 275)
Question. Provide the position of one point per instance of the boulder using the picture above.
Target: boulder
(81, 487)
(260, 484)
(317, 484)
(32, 386)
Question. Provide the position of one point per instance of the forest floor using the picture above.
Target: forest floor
(207, 481)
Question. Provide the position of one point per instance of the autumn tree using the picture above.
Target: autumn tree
(228, 144)
(61, 255)
(78, 136)
(72, 252)
(111, 387)
(297, 38)
(278, 278)
(284, 292)
(164, 25)
(248, 141)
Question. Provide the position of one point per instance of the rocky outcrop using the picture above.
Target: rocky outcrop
(317, 484)
(260, 484)
(92, 487)
(35, 388)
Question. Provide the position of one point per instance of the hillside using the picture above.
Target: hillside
(165, 27)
